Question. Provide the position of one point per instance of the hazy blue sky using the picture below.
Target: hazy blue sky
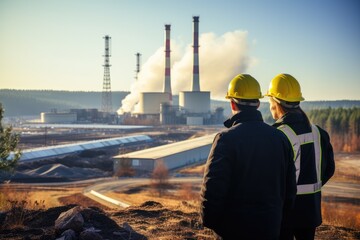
(59, 45)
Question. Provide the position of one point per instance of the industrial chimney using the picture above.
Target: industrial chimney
(167, 83)
(195, 83)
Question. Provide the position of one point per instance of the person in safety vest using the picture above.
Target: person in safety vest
(249, 178)
(313, 156)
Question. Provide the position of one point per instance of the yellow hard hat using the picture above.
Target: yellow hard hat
(285, 87)
(244, 86)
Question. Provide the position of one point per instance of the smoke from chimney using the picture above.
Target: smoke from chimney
(221, 58)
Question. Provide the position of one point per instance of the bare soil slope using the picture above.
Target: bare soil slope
(150, 220)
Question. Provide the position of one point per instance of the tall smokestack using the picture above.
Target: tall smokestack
(167, 83)
(195, 83)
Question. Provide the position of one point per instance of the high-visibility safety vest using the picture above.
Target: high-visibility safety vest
(296, 142)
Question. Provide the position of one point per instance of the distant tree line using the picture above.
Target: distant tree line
(343, 125)
(33, 102)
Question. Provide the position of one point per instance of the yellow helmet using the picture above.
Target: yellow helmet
(244, 86)
(285, 87)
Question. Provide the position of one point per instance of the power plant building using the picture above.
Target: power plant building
(195, 102)
(174, 155)
(149, 102)
(194, 107)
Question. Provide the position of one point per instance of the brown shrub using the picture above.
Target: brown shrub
(160, 178)
(186, 192)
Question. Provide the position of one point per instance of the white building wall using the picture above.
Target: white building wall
(187, 157)
(194, 121)
(195, 102)
(149, 102)
(174, 161)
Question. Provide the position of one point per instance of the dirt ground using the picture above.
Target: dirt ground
(171, 216)
(151, 216)
(150, 220)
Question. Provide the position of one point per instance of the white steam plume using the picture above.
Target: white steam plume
(220, 59)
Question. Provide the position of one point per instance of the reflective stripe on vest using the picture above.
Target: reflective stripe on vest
(296, 142)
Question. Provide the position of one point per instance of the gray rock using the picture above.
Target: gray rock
(2, 218)
(129, 233)
(69, 235)
(127, 227)
(90, 235)
(71, 219)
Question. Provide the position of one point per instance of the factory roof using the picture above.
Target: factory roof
(169, 149)
(53, 151)
(90, 126)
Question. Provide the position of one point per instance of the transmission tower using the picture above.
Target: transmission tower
(106, 92)
(137, 65)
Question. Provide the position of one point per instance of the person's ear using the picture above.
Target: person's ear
(234, 107)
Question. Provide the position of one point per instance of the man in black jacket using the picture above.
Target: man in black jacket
(249, 180)
(314, 157)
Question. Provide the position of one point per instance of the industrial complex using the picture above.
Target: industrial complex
(190, 108)
(193, 107)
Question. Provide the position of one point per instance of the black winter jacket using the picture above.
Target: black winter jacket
(249, 179)
(307, 210)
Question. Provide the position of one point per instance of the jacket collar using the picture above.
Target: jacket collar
(243, 116)
(290, 118)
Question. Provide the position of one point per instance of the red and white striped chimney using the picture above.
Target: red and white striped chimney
(195, 83)
(167, 82)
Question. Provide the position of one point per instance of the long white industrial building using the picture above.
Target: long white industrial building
(36, 154)
(173, 155)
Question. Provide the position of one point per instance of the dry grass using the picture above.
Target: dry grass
(196, 170)
(18, 199)
(17, 204)
(347, 168)
(173, 197)
(48, 195)
(10, 198)
(341, 214)
(183, 197)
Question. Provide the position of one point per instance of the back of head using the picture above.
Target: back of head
(245, 91)
(286, 88)
(286, 91)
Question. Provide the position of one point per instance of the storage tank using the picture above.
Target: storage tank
(195, 102)
(149, 102)
(55, 117)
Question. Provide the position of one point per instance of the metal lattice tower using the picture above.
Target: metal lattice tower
(137, 65)
(106, 92)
